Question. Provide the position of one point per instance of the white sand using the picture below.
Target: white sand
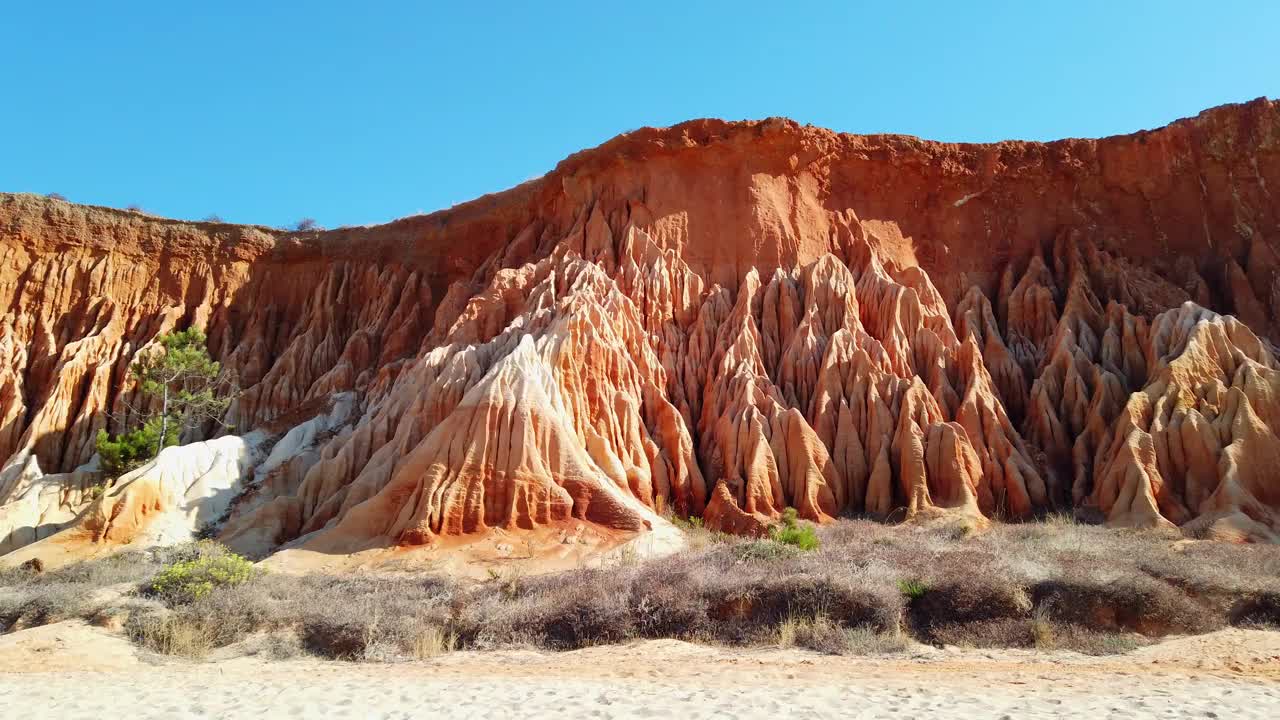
(1234, 674)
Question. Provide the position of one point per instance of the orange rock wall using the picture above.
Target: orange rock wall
(716, 318)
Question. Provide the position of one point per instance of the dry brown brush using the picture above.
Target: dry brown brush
(867, 588)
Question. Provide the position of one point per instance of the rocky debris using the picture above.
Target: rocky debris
(716, 319)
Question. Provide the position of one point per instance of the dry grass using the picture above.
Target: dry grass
(29, 598)
(867, 588)
(824, 635)
(169, 634)
(432, 641)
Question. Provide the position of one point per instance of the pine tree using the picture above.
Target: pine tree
(190, 388)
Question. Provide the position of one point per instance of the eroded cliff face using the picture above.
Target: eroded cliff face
(715, 319)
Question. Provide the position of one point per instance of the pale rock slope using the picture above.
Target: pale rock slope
(41, 505)
(717, 319)
(173, 498)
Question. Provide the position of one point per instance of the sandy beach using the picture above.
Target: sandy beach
(71, 670)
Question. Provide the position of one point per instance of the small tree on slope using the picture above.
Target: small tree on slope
(189, 388)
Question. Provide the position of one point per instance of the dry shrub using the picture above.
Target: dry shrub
(697, 536)
(837, 599)
(369, 617)
(1039, 632)
(976, 589)
(821, 634)
(590, 618)
(354, 617)
(262, 604)
(1260, 610)
(988, 633)
(42, 605)
(980, 602)
(664, 601)
(335, 639)
(125, 567)
(1053, 636)
(30, 599)
(563, 612)
(169, 633)
(433, 641)
(1050, 585)
(864, 641)
(15, 576)
(1136, 603)
(766, 550)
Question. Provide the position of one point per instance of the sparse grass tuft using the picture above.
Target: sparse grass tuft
(693, 522)
(864, 641)
(913, 589)
(432, 642)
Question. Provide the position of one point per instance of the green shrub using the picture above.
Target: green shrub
(914, 589)
(693, 522)
(793, 533)
(119, 455)
(190, 580)
(801, 537)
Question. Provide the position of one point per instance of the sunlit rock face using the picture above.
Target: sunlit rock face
(715, 319)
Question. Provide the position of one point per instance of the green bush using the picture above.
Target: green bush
(913, 589)
(190, 580)
(793, 533)
(131, 450)
(693, 522)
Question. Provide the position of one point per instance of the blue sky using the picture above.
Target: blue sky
(267, 112)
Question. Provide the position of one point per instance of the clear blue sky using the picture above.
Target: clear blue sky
(270, 111)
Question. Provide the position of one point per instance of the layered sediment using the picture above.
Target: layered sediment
(716, 319)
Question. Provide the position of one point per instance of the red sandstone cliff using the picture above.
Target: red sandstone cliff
(722, 319)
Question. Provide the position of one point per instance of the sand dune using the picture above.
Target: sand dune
(1232, 674)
